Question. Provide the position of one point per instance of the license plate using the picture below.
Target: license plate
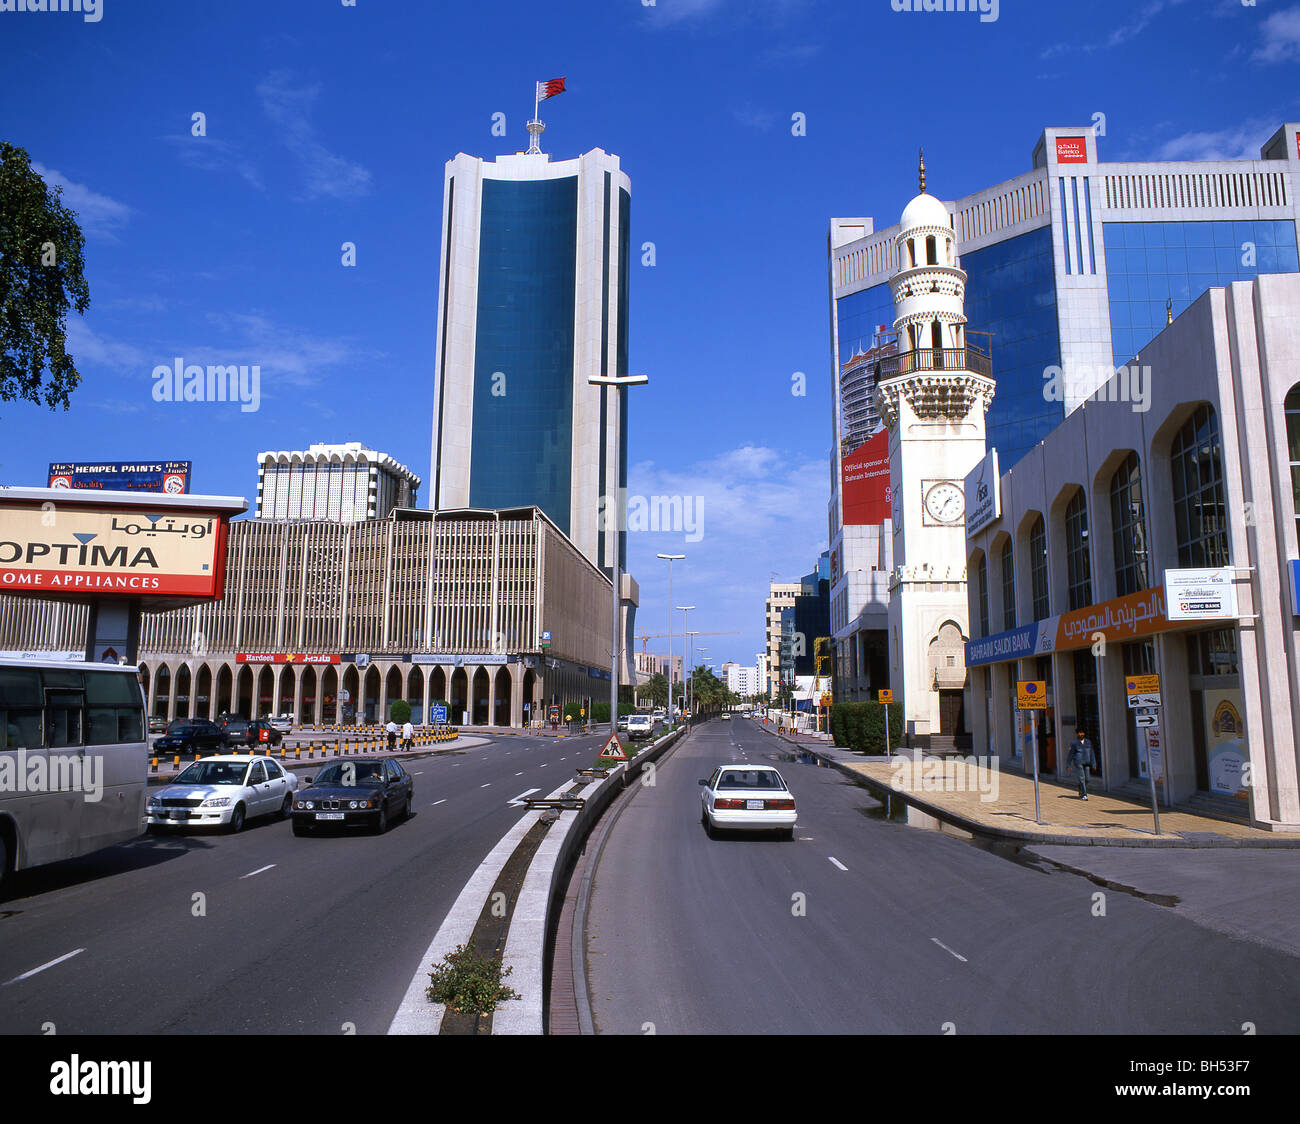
(177, 815)
(754, 805)
(329, 815)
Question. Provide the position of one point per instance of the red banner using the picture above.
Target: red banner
(285, 657)
(864, 482)
(1071, 150)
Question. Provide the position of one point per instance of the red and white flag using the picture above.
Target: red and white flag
(550, 89)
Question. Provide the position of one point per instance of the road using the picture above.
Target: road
(862, 925)
(262, 932)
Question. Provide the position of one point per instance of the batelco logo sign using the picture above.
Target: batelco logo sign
(67, 549)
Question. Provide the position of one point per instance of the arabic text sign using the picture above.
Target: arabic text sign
(1123, 618)
(130, 551)
(286, 657)
(1142, 684)
(172, 477)
(1200, 595)
(1031, 694)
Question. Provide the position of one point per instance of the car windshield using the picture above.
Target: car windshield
(214, 772)
(349, 773)
(751, 778)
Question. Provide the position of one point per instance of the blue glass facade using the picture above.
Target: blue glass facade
(1148, 263)
(1011, 291)
(522, 444)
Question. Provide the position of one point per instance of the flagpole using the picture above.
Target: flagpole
(535, 127)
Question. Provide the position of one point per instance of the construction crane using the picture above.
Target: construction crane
(647, 636)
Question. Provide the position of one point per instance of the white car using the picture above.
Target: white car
(640, 725)
(223, 791)
(726, 715)
(282, 722)
(747, 798)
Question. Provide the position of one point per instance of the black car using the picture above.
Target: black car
(367, 791)
(239, 731)
(191, 736)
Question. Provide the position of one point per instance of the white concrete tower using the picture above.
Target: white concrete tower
(933, 397)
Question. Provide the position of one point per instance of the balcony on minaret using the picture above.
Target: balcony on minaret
(968, 358)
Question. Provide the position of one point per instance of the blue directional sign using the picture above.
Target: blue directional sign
(438, 714)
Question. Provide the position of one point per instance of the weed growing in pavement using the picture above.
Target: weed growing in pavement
(470, 982)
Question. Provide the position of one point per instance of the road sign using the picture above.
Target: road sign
(1155, 754)
(546, 639)
(885, 696)
(554, 712)
(1147, 721)
(438, 714)
(1031, 694)
(612, 750)
(1142, 684)
(1143, 702)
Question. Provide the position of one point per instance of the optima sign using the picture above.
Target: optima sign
(131, 551)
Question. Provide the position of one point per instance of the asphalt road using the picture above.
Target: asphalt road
(862, 925)
(292, 936)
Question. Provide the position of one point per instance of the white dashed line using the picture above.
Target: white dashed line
(544, 764)
(837, 862)
(947, 949)
(488, 785)
(257, 871)
(437, 802)
(50, 964)
(521, 774)
(518, 801)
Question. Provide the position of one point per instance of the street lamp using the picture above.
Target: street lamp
(694, 650)
(685, 609)
(671, 558)
(618, 382)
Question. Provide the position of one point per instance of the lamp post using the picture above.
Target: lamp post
(617, 382)
(694, 651)
(685, 610)
(671, 558)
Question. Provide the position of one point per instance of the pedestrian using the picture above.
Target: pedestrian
(392, 734)
(408, 732)
(1081, 759)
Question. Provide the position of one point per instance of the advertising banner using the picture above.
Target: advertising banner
(1200, 595)
(1225, 737)
(983, 488)
(71, 549)
(1121, 619)
(1071, 150)
(171, 477)
(286, 657)
(864, 483)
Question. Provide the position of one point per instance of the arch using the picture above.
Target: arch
(1070, 523)
(459, 695)
(480, 691)
(530, 695)
(307, 693)
(1039, 594)
(242, 700)
(223, 694)
(1129, 549)
(977, 566)
(438, 685)
(394, 688)
(144, 685)
(371, 682)
(329, 694)
(502, 697)
(1198, 492)
(203, 692)
(931, 252)
(415, 692)
(163, 691)
(350, 683)
(288, 681)
(184, 691)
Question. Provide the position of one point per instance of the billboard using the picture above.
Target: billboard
(1201, 595)
(128, 551)
(171, 477)
(286, 657)
(1071, 150)
(864, 482)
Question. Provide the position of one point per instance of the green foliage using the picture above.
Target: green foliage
(599, 711)
(468, 981)
(656, 690)
(42, 275)
(399, 710)
(860, 726)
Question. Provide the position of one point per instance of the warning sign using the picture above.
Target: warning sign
(886, 696)
(611, 750)
(1031, 694)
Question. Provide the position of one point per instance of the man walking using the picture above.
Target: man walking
(391, 730)
(408, 732)
(1081, 759)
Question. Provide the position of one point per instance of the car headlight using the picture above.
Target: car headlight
(309, 805)
(155, 802)
(216, 802)
(352, 804)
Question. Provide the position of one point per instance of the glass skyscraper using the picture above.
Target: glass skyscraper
(533, 300)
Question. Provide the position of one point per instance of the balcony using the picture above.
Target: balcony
(935, 359)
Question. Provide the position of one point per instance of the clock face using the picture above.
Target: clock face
(945, 502)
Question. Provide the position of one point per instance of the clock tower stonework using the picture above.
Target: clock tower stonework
(933, 396)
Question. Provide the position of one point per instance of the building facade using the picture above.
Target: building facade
(780, 596)
(494, 612)
(1068, 582)
(341, 483)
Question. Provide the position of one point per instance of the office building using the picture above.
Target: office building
(341, 483)
(780, 596)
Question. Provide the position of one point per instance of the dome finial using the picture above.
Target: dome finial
(921, 170)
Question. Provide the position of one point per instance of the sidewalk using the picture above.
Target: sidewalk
(1000, 805)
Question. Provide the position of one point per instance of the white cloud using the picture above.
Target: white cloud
(289, 106)
(98, 215)
(1241, 142)
(212, 154)
(1281, 37)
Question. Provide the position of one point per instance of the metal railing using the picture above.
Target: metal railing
(935, 359)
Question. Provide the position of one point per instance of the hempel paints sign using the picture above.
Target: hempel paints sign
(171, 477)
(130, 551)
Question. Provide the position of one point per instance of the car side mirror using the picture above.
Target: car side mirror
(704, 782)
(307, 780)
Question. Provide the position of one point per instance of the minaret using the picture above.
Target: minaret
(933, 397)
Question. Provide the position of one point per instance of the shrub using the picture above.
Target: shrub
(468, 981)
(860, 726)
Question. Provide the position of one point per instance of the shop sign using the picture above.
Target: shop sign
(1200, 595)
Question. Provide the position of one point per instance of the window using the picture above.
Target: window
(1038, 569)
(259, 773)
(1199, 509)
(983, 575)
(1078, 563)
(1128, 523)
(931, 256)
(1292, 406)
(1008, 587)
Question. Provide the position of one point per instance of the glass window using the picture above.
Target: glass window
(1077, 560)
(1292, 406)
(983, 573)
(1199, 507)
(1128, 523)
(1038, 569)
(258, 775)
(1008, 587)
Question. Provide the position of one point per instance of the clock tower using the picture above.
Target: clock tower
(933, 396)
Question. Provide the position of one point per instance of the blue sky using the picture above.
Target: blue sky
(329, 123)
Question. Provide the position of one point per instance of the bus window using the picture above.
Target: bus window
(63, 725)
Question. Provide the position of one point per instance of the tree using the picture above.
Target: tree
(41, 275)
(657, 689)
(399, 711)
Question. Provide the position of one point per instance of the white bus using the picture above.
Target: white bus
(74, 760)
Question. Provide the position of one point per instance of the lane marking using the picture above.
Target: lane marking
(488, 785)
(543, 765)
(837, 862)
(519, 774)
(50, 964)
(419, 774)
(947, 949)
(257, 871)
(437, 802)
(518, 801)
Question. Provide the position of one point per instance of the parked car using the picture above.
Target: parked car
(640, 725)
(622, 721)
(157, 724)
(282, 722)
(224, 791)
(363, 791)
(747, 798)
(187, 735)
(258, 732)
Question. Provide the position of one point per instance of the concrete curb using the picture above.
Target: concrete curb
(1019, 835)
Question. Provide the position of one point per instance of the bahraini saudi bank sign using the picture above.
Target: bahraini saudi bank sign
(132, 551)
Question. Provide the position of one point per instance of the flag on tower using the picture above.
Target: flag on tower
(550, 89)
